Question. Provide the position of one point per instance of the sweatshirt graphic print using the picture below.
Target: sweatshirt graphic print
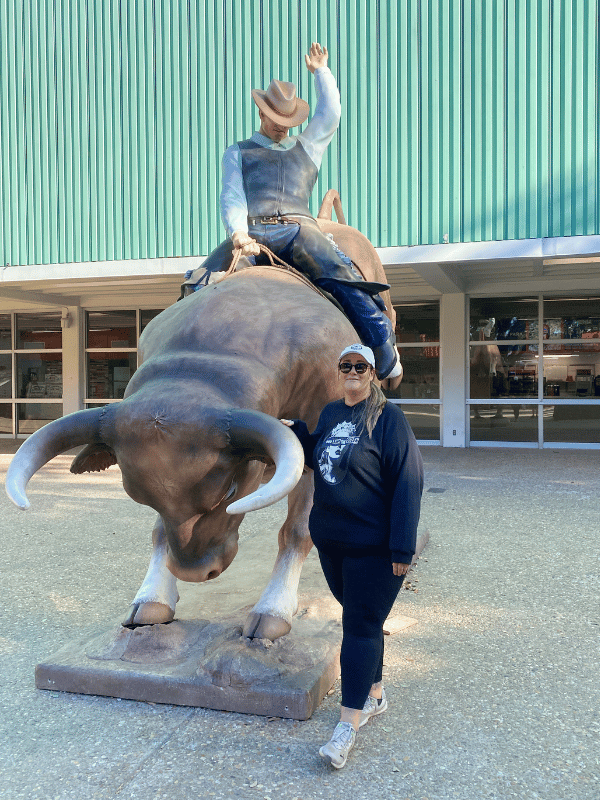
(332, 455)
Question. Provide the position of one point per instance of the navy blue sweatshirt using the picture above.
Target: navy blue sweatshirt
(367, 490)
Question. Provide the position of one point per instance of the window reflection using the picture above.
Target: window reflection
(32, 416)
(40, 331)
(572, 424)
(424, 420)
(572, 370)
(111, 329)
(503, 371)
(108, 374)
(39, 375)
(504, 423)
(6, 418)
(495, 318)
(572, 319)
(5, 375)
(5, 341)
(421, 373)
(147, 315)
(418, 321)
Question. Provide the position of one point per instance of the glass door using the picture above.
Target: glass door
(534, 372)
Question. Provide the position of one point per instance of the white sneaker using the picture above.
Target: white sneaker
(335, 752)
(373, 707)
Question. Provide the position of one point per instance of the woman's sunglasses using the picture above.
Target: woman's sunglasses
(360, 368)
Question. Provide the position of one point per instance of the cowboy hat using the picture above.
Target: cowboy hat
(280, 104)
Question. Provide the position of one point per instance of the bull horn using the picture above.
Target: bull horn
(261, 433)
(81, 427)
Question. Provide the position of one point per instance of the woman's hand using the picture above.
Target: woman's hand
(399, 569)
(288, 422)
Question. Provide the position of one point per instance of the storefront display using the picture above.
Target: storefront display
(561, 371)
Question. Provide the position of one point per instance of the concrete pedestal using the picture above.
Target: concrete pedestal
(200, 663)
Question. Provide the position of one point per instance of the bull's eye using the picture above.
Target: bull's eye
(229, 493)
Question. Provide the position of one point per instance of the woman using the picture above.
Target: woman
(368, 485)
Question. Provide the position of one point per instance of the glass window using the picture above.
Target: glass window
(111, 329)
(503, 318)
(424, 420)
(108, 374)
(503, 371)
(421, 373)
(5, 340)
(147, 315)
(572, 424)
(572, 370)
(39, 331)
(566, 318)
(504, 423)
(39, 375)
(6, 375)
(31, 416)
(418, 322)
(6, 418)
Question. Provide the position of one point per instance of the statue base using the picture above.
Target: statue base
(194, 662)
(209, 664)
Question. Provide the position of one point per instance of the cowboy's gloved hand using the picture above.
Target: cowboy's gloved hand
(317, 57)
(248, 245)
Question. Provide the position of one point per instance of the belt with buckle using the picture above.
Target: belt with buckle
(280, 220)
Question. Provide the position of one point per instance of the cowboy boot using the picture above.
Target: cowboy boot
(387, 360)
(371, 324)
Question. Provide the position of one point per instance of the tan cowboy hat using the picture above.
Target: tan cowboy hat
(281, 105)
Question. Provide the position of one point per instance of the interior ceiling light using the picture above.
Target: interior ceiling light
(546, 355)
(569, 299)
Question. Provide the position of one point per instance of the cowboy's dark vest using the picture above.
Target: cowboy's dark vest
(277, 182)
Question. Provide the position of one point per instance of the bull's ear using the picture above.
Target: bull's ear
(94, 458)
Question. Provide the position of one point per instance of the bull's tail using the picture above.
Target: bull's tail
(330, 201)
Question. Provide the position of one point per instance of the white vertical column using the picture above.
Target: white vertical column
(453, 338)
(73, 390)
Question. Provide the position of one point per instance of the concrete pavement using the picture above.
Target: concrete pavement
(494, 692)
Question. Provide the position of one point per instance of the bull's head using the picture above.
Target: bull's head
(199, 468)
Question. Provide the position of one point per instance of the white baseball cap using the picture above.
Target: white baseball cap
(362, 350)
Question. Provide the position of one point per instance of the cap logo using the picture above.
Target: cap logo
(362, 349)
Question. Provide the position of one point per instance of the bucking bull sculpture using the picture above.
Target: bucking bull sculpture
(198, 429)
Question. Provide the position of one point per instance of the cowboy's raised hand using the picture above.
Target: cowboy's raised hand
(317, 57)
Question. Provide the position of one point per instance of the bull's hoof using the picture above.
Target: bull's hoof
(148, 614)
(264, 626)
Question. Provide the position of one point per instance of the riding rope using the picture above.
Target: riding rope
(276, 263)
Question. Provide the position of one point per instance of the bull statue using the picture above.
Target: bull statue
(198, 429)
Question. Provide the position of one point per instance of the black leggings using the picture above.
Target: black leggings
(363, 582)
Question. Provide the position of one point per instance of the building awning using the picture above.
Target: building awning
(555, 265)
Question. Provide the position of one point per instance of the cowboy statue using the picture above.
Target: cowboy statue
(267, 181)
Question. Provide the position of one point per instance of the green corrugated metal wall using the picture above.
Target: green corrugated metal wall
(477, 119)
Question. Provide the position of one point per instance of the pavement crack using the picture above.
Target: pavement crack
(133, 770)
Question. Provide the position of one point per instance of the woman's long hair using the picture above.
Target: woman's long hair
(372, 409)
